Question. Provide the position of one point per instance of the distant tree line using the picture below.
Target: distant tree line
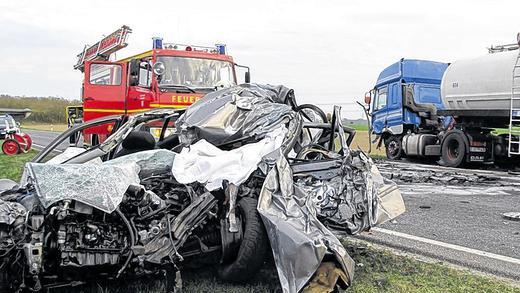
(44, 109)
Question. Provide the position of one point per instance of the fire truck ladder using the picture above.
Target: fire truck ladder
(514, 115)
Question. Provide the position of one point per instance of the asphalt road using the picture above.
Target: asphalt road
(42, 138)
(454, 215)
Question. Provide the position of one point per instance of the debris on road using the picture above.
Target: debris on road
(513, 216)
(243, 167)
(404, 173)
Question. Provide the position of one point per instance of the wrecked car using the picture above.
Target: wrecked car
(243, 173)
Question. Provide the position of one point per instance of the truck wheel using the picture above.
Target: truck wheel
(453, 150)
(394, 147)
(253, 249)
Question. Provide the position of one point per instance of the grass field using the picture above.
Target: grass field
(361, 141)
(59, 127)
(376, 270)
(11, 167)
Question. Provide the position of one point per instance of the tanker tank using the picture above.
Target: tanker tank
(480, 86)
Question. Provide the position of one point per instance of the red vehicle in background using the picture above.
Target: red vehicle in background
(15, 141)
(168, 76)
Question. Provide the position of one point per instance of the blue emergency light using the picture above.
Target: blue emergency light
(157, 43)
(221, 48)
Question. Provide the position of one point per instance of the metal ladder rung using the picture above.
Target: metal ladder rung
(514, 116)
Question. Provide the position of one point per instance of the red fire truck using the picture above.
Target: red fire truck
(168, 76)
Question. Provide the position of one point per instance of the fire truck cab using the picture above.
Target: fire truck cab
(168, 76)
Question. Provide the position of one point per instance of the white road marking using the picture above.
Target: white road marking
(41, 147)
(450, 246)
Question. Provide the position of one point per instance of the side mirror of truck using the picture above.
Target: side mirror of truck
(368, 98)
(247, 76)
(159, 68)
(134, 69)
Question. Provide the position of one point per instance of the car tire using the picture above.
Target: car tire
(253, 248)
(453, 150)
(11, 147)
(394, 147)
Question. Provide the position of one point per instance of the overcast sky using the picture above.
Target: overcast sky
(328, 51)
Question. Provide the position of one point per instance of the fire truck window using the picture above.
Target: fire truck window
(145, 77)
(196, 72)
(105, 74)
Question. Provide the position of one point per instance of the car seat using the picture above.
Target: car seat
(136, 141)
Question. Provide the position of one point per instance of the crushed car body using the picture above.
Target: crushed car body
(241, 173)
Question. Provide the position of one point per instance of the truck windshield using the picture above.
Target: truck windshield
(196, 73)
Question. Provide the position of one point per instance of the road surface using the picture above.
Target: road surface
(42, 138)
(454, 215)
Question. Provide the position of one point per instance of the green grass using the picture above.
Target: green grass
(57, 127)
(382, 271)
(11, 167)
(358, 127)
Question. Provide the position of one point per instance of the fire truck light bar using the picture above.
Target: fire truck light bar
(102, 49)
(218, 49)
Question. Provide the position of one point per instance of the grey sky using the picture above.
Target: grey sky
(328, 51)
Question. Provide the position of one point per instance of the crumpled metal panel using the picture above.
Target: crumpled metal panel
(10, 211)
(6, 184)
(391, 203)
(149, 162)
(101, 186)
(242, 111)
(358, 199)
(349, 202)
(298, 239)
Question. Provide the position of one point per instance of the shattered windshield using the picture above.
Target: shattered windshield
(196, 72)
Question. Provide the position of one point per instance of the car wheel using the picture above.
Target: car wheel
(453, 150)
(394, 147)
(11, 147)
(253, 248)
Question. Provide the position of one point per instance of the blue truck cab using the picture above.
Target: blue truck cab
(405, 95)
